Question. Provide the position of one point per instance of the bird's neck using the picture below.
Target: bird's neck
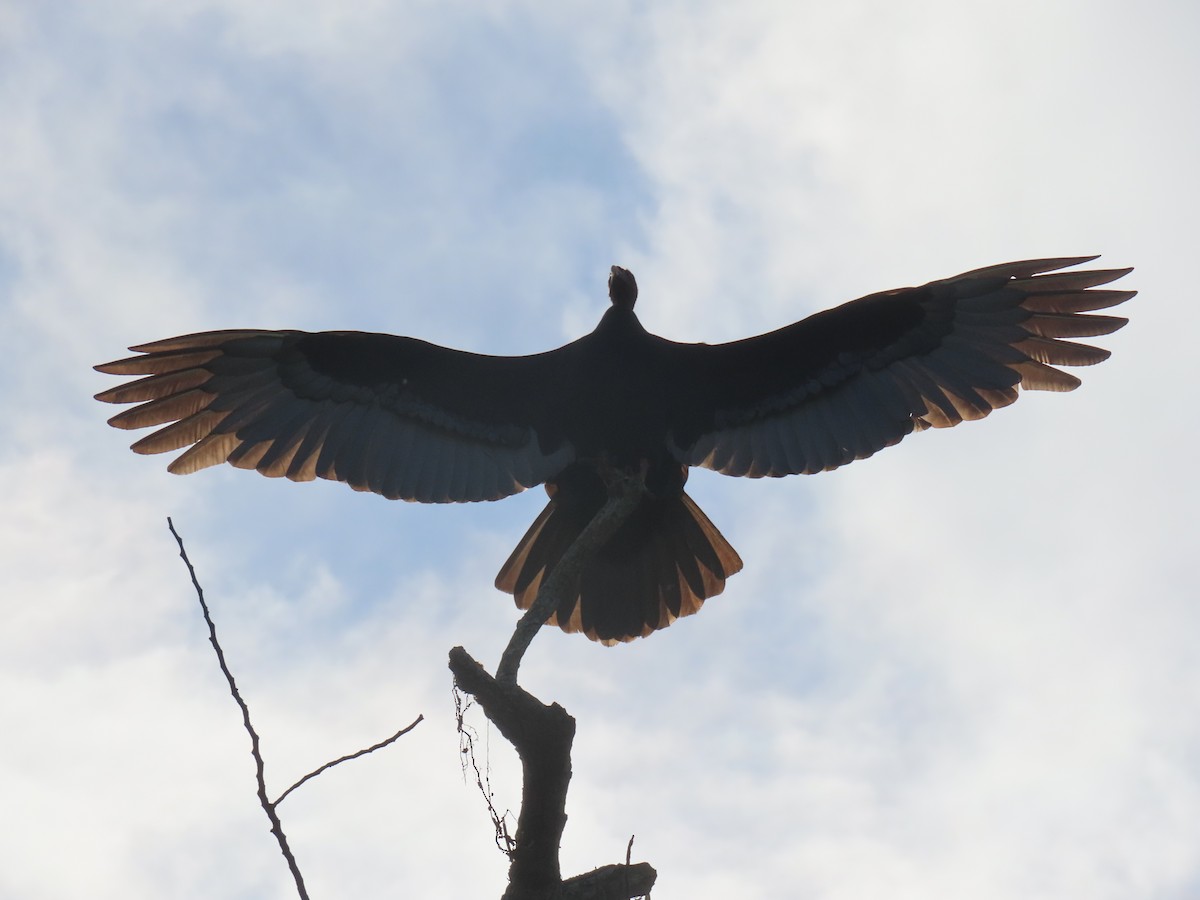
(618, 322)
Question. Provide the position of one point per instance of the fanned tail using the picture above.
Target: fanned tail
(661, 565)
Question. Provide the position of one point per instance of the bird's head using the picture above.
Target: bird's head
(622, 288)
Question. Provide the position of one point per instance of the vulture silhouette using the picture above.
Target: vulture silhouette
(414, 421)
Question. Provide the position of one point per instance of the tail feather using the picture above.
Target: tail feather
(661, 565)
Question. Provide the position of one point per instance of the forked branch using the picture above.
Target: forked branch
(269, 806)
(543, 735)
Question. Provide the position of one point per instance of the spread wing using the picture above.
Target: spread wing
(844, 383)
(393, 415)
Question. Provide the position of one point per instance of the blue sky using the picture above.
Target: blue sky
(962, 668)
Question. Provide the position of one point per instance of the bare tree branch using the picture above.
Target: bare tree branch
(269, 806)
(624, 493)
(363, 752)
(615, 882)
(259, 768)
(542, 736)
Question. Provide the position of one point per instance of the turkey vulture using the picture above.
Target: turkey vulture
(414, 421)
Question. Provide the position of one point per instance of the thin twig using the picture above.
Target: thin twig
(466, 749)
(329, 765)
(259, 768)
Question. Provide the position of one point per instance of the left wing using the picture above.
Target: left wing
(849, 381)
(393, 415)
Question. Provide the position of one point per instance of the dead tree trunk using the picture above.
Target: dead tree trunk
(542, 736)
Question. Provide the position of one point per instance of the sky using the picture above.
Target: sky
(962, 668)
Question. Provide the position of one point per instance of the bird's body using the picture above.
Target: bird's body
(415, 421)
